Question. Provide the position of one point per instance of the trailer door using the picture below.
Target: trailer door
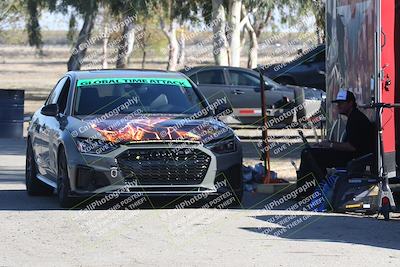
(388, 80)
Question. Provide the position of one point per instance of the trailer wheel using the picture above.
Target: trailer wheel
(386, 215)
(385, 211)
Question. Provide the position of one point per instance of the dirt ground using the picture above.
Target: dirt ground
(36, 232)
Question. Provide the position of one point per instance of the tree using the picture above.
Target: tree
(227, 31)
(172, 13)
(181, 47)
(305, 8)
(33, 8)
(72, 30)
(257, 16)
(128, 17)
(126, 43)
(144, 39)
(235, 28)
(220, 42)
(10, 13)
(105, 14)
(318, 9)
(88, 10)
(144, 34)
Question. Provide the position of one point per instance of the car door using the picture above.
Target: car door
(245, 94)
(211, 83)
(51, 128)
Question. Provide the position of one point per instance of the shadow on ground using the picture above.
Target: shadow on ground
(367, 231)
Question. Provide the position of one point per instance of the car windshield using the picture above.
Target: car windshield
(130, 95)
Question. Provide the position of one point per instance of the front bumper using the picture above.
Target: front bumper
(92, 174)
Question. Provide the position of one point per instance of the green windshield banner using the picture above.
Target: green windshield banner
(164, 81)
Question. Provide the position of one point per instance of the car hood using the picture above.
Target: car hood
(125, 129)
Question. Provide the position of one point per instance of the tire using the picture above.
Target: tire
(63, 186)
(237, 194)
(235, 190)
(34, 186)
(386, 215)
(385, 211)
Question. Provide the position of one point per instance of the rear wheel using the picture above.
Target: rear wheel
(63, 185)
(34, 186)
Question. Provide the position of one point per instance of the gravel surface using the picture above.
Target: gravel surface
(35, 231)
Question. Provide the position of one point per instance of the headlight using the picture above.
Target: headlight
(95, 146)
(223, 146)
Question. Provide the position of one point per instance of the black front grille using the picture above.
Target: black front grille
(163, 166)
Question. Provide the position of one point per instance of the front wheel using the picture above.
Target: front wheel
(34, 186)
(237, 189)
(63, 185)
(238, 195)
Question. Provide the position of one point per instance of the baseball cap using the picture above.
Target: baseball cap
(344, 96)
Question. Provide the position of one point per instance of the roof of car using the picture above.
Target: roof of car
(198, 68)
(125, 73)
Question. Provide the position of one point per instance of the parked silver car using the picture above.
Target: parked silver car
(285, 103)
(130, 131)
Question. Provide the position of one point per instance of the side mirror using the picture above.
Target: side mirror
(50, 110)
(268, 87)
(221, 109)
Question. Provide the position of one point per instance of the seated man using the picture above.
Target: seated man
(358, 141)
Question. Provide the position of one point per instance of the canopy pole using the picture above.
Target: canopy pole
(264, 132)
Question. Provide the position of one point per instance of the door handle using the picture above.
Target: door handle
(237, 92)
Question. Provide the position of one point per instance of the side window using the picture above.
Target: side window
(52, 99)
(211, 77)
(243, 78)
(63, 97)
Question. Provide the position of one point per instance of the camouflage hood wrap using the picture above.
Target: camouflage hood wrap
(154, 128)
